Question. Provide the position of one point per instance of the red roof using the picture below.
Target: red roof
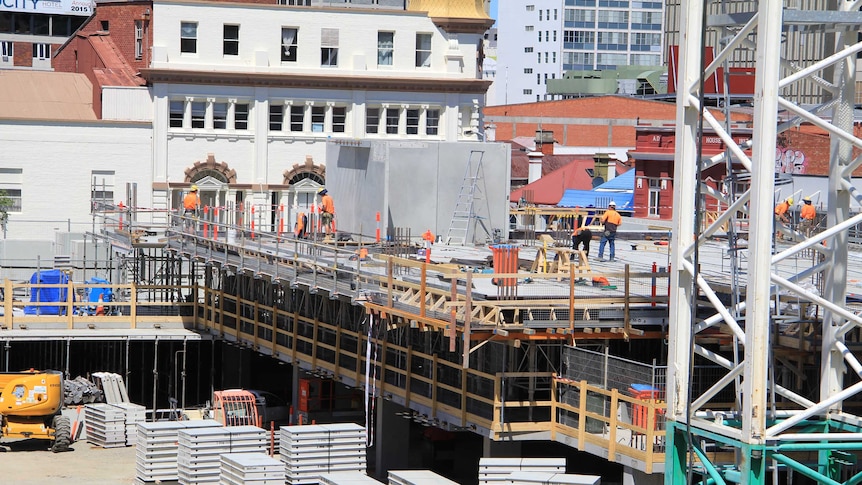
(549, 189)
(117, 72)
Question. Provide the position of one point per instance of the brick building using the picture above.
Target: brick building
(608, 121)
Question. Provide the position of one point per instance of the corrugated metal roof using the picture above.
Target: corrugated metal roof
(45, 95)
(622, 182)
(117, 72)
(549, 189)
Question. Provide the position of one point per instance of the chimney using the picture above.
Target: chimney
(601, 164)
(535, 172)
(545, 142)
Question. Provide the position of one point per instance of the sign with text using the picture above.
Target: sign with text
(61, 7)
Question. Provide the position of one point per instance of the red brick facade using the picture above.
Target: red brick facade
(594, 121)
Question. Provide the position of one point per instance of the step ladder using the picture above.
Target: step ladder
(464, 217)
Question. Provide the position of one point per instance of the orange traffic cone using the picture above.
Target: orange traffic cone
(100, 308)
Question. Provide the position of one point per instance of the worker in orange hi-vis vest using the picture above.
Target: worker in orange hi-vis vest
(301, 222)
(191, 206)
(781, 214)
(327, 210)
(808, 214)
(612, 220)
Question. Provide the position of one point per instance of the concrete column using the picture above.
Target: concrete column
(637, 477)
(393, 446)
(500, 449)
(294, 393)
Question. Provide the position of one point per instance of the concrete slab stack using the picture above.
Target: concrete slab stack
(250, 469)
(347, 478)
(550, 478)
(156, 449)
(106, 425)
(199, 450)
(497, 470)
(311, 451)
(417, 477)
(133, 414)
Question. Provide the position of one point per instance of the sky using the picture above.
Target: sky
(494, 9)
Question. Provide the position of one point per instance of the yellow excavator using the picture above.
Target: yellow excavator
(30, 404)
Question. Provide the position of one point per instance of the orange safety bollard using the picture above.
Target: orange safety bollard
(377, 233)
(206, 221)
(654, 269)
(280, 220)
(428, 236)
(252, 222)
(215, 223)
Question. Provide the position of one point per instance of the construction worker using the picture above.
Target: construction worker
(581, 236)
(301, 224)
(781, 214)
(191, 206)
(612, 220)
(807, 215)
(327, 210)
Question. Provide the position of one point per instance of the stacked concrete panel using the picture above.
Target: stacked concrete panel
(347, 478)
(199, 450)
(417, 477)
(497, 470)
(156, 449)
(550, 478)
(311, 451)
(133, 414)
(250, 469)
(106, 425)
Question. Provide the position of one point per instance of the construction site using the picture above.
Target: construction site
(717, 347)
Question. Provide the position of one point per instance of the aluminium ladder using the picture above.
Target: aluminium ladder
(464, 217)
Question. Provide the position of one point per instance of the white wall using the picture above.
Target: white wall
(127, 103)
(57, 161)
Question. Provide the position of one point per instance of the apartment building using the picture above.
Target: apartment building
(541, 39)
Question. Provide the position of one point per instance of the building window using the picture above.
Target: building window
(654, 196)
(555, 14)
(642, 41)
(41, 51)
(555, 36)
(372, 120)
(288, 44)
(528, 28)
(528, 91)
(139, 39)
(297, 118)
(528, 70)
(329, 47)
(392, 121)
(240, 116)
(540, 15)
(611, 61)
(199, 114)
(339, 119)
(177, 109)
(538, 57)
(527, 50)
(318, 119)
(189, 37)
(102, 189)
(299, 3)
(6, 51)
(105, 25)
(423, 50)
(645, 60)
(547, 36)
(231, 40)
(276, 117)
(540, 36)
(613, 41)
(220, 116)
(613, 19)
(530, 8)
(385, 47)
(11, 183)
(546, 57)
(412, 121)
(538, 78)
(432, 121)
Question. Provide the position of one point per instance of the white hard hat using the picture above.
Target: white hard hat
(612, 204)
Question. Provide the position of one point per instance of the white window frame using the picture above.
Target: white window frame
(12, 182)
(41, 51)
(372, 120)
(328, 47)
(424, 42)
(654, 203)
(139, 39)
(102, 187)
(432, 121)
(7, 51)
(289, 47)
(385, 48)
(230, 43)
(188, 35)
(339, 119)
(295, 118)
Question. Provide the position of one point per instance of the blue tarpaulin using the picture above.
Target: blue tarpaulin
(619, 189)
(47, 295)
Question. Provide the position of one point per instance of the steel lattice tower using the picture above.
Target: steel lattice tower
(774, 423)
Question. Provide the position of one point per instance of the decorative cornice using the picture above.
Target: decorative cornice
(280, 80)
(463, 26)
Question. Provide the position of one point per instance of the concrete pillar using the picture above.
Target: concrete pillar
(637, 477)
(393, 445)
(500, 449)
(294, 393)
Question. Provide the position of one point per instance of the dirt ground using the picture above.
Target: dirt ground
(30, 462)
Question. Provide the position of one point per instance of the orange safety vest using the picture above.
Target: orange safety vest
(191, 201)
(327, 204)
(300, 222)
(781, 208)
(613, 217)
(808, 212)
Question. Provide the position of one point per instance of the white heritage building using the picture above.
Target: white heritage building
(242, 99)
